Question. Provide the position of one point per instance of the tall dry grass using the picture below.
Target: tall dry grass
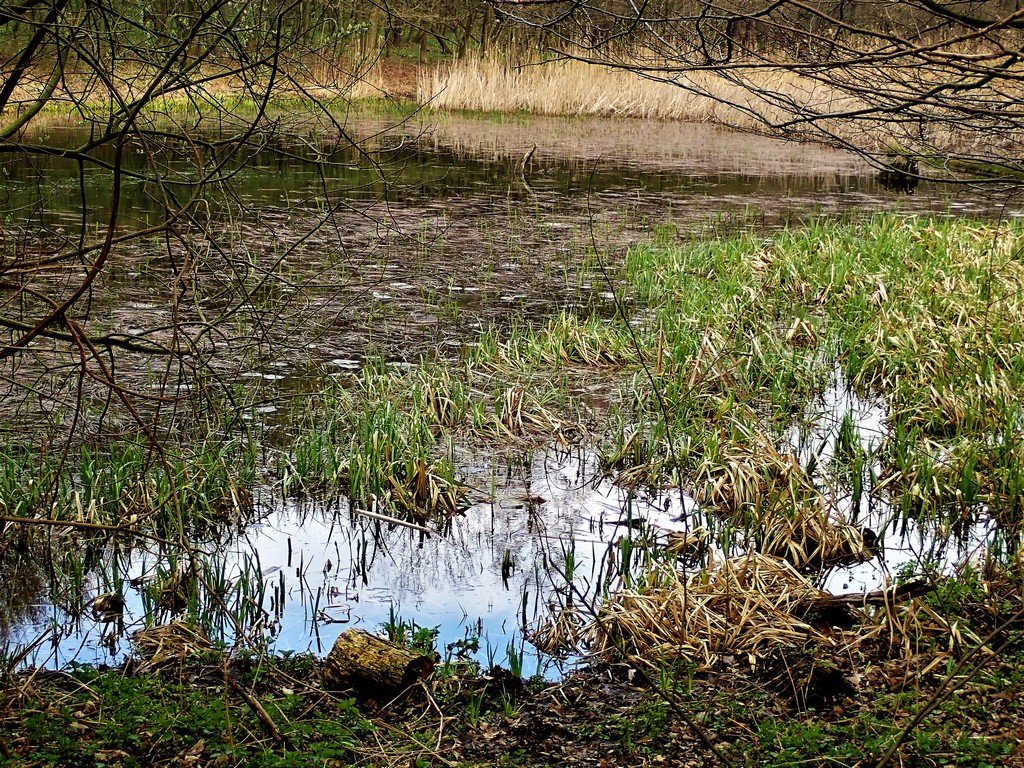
(578, 88)
(763, 99)
(317, 78)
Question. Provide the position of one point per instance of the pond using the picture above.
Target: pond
(449, 226)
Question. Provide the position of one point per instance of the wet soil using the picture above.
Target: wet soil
(601, 719)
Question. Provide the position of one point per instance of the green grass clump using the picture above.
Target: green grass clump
(128, 483)
(388, 437)
(379, 443)
(565, 340)
(739, 337)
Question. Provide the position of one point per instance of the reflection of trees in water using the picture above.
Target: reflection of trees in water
(22, 581)
(38, 570)
(537, 509)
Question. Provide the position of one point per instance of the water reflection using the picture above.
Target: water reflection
(313, 569)
(694, 169)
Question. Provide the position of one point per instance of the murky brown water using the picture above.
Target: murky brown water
(445, 232)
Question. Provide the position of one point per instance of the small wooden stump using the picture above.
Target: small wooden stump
(370, 665)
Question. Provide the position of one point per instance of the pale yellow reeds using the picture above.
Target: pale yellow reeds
(744, 606)
(763, 98)
(809, 536)
(578, 88)
(558, 634)
(913, 626)
(772, 495)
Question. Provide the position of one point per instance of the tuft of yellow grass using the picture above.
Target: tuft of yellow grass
(746, 605)
(169, 645)
(751, 606)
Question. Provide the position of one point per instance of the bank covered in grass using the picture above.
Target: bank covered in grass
(745, 336)
(723, 354)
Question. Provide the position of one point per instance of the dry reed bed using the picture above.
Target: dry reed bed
(745, 606)
(769, 494)
(169, 646)
(758, 99)
(752, 606)
(576, 88)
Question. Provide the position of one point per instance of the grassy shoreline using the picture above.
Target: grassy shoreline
(214, 710)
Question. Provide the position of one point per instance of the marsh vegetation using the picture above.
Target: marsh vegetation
(658, 436)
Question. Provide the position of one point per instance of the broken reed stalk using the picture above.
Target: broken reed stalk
(392, 520)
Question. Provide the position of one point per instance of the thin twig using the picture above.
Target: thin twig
(261, 714)
(393, 520)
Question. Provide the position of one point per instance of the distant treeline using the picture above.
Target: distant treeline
(417, 29)
(705, 31)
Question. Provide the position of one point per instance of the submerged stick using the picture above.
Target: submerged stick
(84, 526)
(389, 519)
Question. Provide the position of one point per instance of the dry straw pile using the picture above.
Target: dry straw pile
(169, 646)
(743, 606)
(752, 608)
(777, 500)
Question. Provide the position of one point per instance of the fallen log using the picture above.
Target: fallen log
(895, 593)
(372, 666)
(838, 610)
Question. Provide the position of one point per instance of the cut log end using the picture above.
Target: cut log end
(371, 665)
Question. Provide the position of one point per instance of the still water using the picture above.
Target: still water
(430, 233)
